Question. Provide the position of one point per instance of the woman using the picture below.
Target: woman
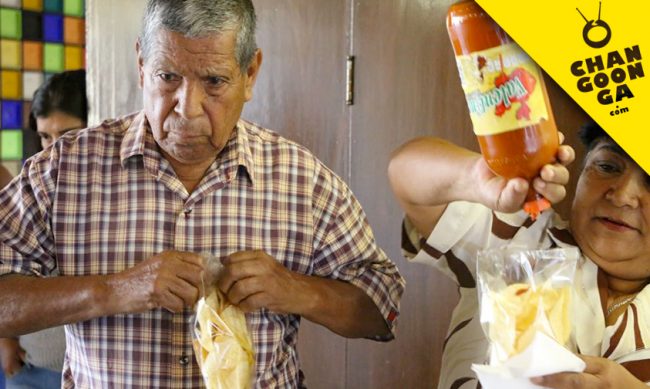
(59, 106)
(450, 196)
(36, 360)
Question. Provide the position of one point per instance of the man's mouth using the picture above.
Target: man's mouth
(184, 137)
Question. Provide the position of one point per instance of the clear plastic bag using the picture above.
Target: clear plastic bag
(221, 340)
(522, 292)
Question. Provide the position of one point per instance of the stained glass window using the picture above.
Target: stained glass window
(37, 38)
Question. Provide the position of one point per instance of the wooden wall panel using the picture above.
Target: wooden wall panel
(406, 86)
(300, 93)
(301, 89)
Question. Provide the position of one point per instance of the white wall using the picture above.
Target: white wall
(112, 29)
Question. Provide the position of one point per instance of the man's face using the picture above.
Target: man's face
(193, 93)
(610, 216)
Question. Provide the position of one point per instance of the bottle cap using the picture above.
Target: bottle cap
(534, 207)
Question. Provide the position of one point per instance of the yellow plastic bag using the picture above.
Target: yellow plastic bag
(222, 343)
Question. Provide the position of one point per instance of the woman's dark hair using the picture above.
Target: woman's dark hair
(64, 92)
(591, 134)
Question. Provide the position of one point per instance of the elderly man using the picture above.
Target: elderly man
(125, 210)
(610, 220)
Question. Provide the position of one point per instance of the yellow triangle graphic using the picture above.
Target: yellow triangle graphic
(598, 52)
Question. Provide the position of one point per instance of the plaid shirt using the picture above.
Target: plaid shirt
(104, 199)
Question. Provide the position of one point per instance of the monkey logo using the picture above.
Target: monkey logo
(598, 24)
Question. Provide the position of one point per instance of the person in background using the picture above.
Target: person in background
(35, 360)
(59, 106)
(125, 211)
(456, 206)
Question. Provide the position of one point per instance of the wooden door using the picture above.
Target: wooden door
(406, 85)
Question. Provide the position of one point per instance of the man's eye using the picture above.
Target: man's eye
(214, 81)
(168, 77)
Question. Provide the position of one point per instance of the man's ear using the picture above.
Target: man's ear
(140, 62)
(252, 72)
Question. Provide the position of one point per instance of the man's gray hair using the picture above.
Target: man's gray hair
(200, 18)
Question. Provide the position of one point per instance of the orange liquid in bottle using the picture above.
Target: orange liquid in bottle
(507, 98)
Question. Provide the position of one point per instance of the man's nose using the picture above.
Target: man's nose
(627, 190)
(190, 100)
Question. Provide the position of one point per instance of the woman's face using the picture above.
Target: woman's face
(51, 127)
(610, 216)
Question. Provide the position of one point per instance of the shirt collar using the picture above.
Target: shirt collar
(139, 141)
(243, 148)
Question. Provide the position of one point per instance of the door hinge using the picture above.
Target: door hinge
(349, 80)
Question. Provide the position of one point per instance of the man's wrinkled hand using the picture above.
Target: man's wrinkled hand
(253, 280)
(170, 280)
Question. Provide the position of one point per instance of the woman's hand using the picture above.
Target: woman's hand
(509, 195)
(553, 178)
(600, 373)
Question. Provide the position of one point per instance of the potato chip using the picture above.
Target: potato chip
(515, 310)
(223, 345)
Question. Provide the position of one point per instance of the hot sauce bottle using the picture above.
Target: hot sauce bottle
(506, 96)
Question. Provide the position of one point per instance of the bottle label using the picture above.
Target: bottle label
(502, 88)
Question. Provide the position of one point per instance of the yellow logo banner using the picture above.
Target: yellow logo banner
(598, 51)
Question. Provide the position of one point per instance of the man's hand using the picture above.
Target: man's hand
(170, 280)
(11, 356)
(254, 280)
(600, 373)
(509, 195)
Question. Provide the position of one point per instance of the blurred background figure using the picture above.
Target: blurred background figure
(59, 106)
(36, 360)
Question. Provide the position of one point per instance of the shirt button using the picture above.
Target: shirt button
(187, 211)
(183, 360)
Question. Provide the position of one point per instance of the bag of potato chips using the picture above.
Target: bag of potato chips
(522, 293)
(222, 343)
